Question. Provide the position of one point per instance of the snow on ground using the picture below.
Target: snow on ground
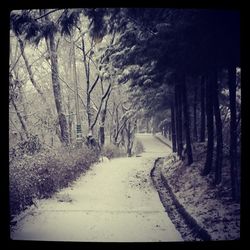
(163, 139)
(208, 205)
(114, 201)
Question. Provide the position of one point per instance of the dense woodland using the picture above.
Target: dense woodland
(82, 82)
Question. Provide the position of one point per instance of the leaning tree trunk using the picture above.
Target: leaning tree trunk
(57, 91)
(35, 84)
(210, 127)
(219, 139)
(28, 67)
(233, 132)
(23, 124)
(203, 117)
(173, 127)
(186, 122)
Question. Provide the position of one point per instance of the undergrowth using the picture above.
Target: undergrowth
(42, 174)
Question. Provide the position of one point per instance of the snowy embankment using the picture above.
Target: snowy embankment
(115, 201)
(209, 206)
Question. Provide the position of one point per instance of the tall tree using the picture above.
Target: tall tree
(210, 126)
(233, 131)
(178, 98)
(218, 124)
(57, 89)
(195, 131)
(51, 44)
(173, 127)
(202, 114)
(186, 121)
(36, 25)
(14, 86)
(35, 83)
(103, 114)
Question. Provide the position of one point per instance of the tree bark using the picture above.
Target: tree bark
(70, 121)
(130, 137)
(186, 122)
(147, 124)
(219, 138)
(203, 117)
(233, 132)
(173, 127)
(57, 91)
(129, 150)
(88, 93)
(103, 118)
(210, 127)
(178, 120)
(195, 133)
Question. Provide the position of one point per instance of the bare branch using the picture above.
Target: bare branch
(67, 85)
(94, 84)
(46, 14)
(100, 106)
(14, 65)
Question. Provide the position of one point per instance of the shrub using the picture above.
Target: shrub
(41, 175)
(112, 151)
(30, 146)
(138, 148)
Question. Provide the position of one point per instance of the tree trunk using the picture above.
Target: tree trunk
(88, 92)
(112, 124)
(129, 131)
(35, 85)
(28, 67)
(102, 128)
(147, 125)
(75, 83)
(210, 127)
(89, 114)
(178, 120)
(129, 138)
(57, 91)
(70, 121)
(103, 118)
(233, 132)
(195, 133)
(102, 136)
(169, 133)
(219, 139)
(186, 122)
(173, 127)
(203, 117)
(23, 125)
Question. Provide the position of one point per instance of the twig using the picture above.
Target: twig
(46, 14)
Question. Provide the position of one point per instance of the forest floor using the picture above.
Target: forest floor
(209, 205)
(115, 201)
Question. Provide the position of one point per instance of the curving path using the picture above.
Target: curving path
(115, 201)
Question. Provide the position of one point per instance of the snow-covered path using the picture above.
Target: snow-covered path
(113, 202)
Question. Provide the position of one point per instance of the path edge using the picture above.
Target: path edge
(189, 220)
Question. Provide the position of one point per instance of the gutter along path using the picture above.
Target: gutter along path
(114, 201)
